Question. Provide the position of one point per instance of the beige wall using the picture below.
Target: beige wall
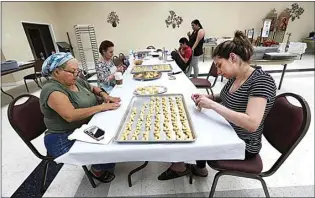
(141, 23)
(14, 42)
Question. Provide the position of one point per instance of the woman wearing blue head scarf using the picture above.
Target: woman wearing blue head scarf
(67, 103)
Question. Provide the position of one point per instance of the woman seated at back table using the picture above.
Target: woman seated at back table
(67, 103)
(106, 68)
(244, 101)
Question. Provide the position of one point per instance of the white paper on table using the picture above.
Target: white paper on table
(79, 135)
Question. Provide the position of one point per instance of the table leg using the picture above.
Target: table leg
(89, 176)
(6, 93)
(282, 75)
(136, 170)
(190, 174)
(203, 54)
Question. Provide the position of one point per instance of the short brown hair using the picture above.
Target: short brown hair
(240, 45)
(105, 45)
(183, 41)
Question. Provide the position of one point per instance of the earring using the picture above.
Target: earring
(232, 56)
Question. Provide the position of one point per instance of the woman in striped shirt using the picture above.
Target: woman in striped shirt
(244, 101)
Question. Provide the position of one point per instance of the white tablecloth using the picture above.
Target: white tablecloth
(216, 139)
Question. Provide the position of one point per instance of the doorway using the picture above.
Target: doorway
(40, 39)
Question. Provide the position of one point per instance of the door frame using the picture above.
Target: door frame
(31, 43)
(51, 29)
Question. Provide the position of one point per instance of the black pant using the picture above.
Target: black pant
(179, 61)
(248, 155)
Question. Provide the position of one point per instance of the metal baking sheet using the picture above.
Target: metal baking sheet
(138, 102)
(151, 68)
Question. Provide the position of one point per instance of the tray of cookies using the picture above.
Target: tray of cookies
(151, 68)
(156, 119)
(150, 90)
(146, 76)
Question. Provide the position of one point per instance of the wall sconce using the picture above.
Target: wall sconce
(113, 19)
(173, 20)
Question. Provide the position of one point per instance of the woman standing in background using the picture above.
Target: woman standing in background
(196, 40)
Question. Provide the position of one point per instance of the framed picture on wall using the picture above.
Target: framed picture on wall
(266, 28)
(284, 23)
(250, 33)
(272, 15)
(273, 24)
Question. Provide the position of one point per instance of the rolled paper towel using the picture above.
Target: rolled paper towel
(118, 76)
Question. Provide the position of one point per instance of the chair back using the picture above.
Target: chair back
(27, 120)
(117, 61)
(124, 60)
(285, 126)
(150, 47)
(122, 57)
(83, 75)
(38, 65)
(213, 71)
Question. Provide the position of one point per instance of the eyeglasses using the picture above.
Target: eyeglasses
(74, 73)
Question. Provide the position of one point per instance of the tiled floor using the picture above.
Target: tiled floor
(294, 178)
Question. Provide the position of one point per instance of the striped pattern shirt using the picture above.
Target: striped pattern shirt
(258, 84)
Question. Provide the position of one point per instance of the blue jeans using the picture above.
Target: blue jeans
(58, 144)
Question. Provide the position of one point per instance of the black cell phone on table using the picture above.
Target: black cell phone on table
(95, 133)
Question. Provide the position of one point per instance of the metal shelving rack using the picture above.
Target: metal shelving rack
(79, 31)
